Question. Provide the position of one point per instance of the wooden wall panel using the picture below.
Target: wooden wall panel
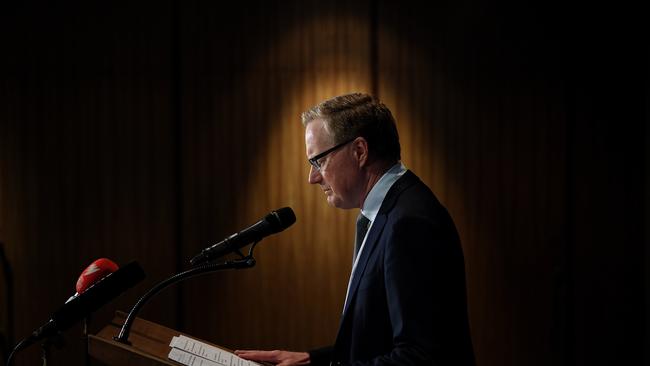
(248, 73)
(480, 135)
(607, 211)
(150, 131)
(86, 156)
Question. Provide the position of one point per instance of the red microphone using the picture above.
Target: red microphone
(94, 272)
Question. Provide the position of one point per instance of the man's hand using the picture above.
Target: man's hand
(280, 358)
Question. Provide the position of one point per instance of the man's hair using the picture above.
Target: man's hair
(359, 115)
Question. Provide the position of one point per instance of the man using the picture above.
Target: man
(406, 301)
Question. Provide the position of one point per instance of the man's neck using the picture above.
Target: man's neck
(374, 173)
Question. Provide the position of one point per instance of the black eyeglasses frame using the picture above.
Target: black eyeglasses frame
(314, 160)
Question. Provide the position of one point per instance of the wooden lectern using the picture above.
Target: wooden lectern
(149, 344)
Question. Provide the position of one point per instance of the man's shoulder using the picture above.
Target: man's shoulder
(410, 194)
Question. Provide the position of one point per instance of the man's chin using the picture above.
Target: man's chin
(333, 201)
(338, 203)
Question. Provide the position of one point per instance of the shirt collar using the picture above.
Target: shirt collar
(378, 192)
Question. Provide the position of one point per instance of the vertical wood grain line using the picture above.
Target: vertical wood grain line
(374, 48)
(566, 281)
(176, 113)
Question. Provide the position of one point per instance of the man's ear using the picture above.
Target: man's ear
(360, 149)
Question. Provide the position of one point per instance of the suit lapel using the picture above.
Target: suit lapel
(343, 337)
(375, 232)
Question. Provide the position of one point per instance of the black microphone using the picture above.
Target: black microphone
(93, 298)
(272, 223)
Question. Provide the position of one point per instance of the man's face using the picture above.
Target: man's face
(339, 176)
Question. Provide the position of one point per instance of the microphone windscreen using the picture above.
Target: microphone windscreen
(94, 272)
(98, 295)
(282, 218)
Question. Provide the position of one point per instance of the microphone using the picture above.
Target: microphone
(272, 223)
(92, 296)
(93, 273)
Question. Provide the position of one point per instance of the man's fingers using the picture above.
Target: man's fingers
(255, 355)
(280, 358)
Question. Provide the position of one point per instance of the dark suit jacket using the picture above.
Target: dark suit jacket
(407, 303)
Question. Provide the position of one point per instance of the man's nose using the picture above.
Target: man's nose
(314, 175)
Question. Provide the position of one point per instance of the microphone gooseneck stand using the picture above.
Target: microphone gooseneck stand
(22, 344)
(6, 340)
(97, 295)
(55, 340)
(245, 262)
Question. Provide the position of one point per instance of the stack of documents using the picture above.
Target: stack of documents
(191, 352)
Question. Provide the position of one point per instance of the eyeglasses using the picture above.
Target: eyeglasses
(315, 160)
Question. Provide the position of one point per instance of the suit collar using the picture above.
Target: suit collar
(378, 192)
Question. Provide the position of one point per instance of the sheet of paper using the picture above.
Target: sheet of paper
(193, 352)
(189, 359)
